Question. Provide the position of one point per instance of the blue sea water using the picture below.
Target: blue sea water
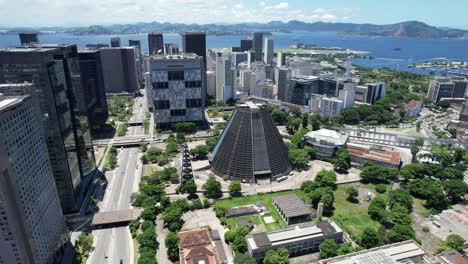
(391, 52)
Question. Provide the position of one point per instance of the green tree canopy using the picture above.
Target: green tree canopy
(279, 256)
(342, 160)
(212, 188)
(172, 245)
(328, 248)
(369, 238)
(235, 188)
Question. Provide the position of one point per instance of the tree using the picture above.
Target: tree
(374, 173)
(296, 139)
(401, 232)
(326, 178)
(352, 193)
(235, 188)
(292, 123)
(327, 199)
(190, 188)
(456, 242)
(455, 190)
(172, 218)
(240, 258)
(279, 116)
(212, 188)
(305, 120)
(381, 188)
(342, 161)
(315, 121)
(83, 245)
(370, 238)
(345, 249)
(400, 215)
(147, 239)
(328, 249)
(416, 146)
(172, 245)
(401, 197)
(442, 155)
(186, 127)
(351, 116)
(307, 186)
(239, 244)
(444, 104)
(311, 151)
(299, 158)
(460, 154)
(200, 151)
(376, 209)
(418, 125)
(279, 256)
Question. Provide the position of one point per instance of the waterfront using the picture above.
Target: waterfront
(395, 53)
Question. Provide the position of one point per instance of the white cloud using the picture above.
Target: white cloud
(90, 12)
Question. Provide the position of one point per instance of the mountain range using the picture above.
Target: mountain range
(403, 29)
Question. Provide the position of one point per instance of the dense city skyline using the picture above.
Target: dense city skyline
(85, 13)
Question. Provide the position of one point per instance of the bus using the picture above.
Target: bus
(280, 179)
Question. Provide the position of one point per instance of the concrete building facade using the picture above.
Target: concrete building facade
(269, 49)
(175, 83)
(330, 106)
(258, 45)
(226, 78)
(119, 69)
(33, 229)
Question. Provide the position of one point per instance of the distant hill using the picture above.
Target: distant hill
(403, 29)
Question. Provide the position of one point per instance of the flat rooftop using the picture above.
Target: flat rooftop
(330, 136)
(292, 206)
(292, 234)
(373, 153)
(10, 101)
(401, 252)
(178, 56)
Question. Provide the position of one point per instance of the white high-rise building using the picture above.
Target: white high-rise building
(32, 227)
(269, 48)
(347, 95)
(226, 79)
(211, 83)
(330, 106)
(281, 59)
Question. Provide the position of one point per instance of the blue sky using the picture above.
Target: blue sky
(452, 13)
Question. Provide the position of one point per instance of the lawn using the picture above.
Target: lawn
(231, 222)
(352, 217)
(267, 199)
(418, 207)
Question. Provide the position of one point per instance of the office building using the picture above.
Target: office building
(211, 83)
(292, 208)
(269, 49)
(282, 77)
(235, 49)
(28, 38)
(384, 156)
(195, 42)
(250, 58)
(115, 42)
(171, 48)
(155, 43)
(119, 69)
(246, 45)
(281, 59)
(300, 89)
(64, 112)
(176, 86)
(250, 147)
(32, 225)
(258, 45)
(226, 79)
(197, 247)
(347, 95)
(370, 93)
(331, 106)
(93, 85)
(96, 45)
(135, 43)
(248, 82)
(406, 252)
(238, 58)
(456, 87)
(264, 89)
(303, 67)
(314, 103)
(325, 141)
(270, 72)
(298, 240)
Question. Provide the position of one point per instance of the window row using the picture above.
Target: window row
(177, 112)
(161, 104)
(175, 75)
(160, 85)
(193, 103)
(192, 84)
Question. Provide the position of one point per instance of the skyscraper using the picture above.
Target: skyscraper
(281, 59)
(120, 70)
(245, 44)
(226, 78)
(195, 42)
(258, 45)
(32, 226)
(54, 69)
(175, 83)
(28, 38)
(330, 106)
(347, 95)
(135, 43)
(155, 43)
(269, 47)
(282, 77)
(115, 42)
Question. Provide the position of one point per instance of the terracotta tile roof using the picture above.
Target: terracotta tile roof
(196, 247)
(374, 154)
(194, 238)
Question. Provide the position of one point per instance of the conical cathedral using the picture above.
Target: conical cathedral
(250, 147)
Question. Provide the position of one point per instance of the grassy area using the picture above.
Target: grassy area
(122, 129)
(120, 108)
(219, 114)
(111, 159)
(265, 198)
(231, 222)
(418, 207)
(353, 218)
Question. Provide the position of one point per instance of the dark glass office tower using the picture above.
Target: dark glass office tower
(195, 42)
(134, 43)
(258, 45)
(93, 87)
(155, 43)
(245, 45)
(28, 38)
(115, 42)
(54, 69)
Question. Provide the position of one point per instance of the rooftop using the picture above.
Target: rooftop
(292, 234)
(292, 206)
(374, 153)
(330, 136)
(407, 252)
(10, 101)
(194, 238)
(178, 56)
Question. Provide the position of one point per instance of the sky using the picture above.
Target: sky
(14, 13)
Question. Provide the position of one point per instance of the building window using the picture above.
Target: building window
(177, 112)
(193, 103)
(161, 104)
(160, 85)
(192, 84)
(176, 76)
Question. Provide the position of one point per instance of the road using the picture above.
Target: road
(115, 244)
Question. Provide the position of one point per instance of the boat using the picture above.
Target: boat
(396, 49)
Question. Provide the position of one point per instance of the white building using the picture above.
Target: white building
(32, 227)
(226, 78)
(269, 49)
(301, 67)
(347, 95)
(211, 83)
(330, 106)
